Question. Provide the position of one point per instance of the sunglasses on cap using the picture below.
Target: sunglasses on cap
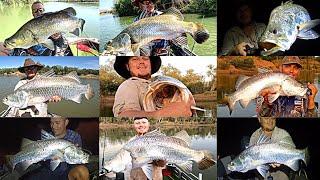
(41, 10)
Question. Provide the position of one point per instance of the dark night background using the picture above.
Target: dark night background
(12, 130)
(261, 13)
(304, 132)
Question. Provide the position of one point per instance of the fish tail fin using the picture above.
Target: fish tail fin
(306, 158)
(207, 161)
(9, 161)
(201, 34)
(231, 103)
(82, 22)
(90, 93)
(80, 28)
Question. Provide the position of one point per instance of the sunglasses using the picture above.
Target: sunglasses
(31, 68)
(41, 10)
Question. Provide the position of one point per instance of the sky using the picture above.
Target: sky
(183, 63)
(70, 61)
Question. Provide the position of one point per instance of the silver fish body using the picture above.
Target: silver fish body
(38, 30)
(166, 26)
(41, 150)
(287, 23)
(140, 151)
(40, 89)
(173, 149)
(164, 88)
(249, 88)
(260, 155)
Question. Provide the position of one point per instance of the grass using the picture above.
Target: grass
(209, 47)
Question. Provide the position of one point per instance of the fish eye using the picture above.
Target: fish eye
(232, 164)
(274, 31)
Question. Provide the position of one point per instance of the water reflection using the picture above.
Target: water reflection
(202, 138)
(87, 108)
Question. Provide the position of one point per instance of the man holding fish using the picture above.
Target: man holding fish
(30, 68)
(60, 46)
(289, 106)
(137, 71)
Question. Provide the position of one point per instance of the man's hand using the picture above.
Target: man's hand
(159, 163)
(3, 50)
(314, 91)
(240, 49)
(275, 165)
(55, 99)
(265, 93)
(177, 109)
(56, 36)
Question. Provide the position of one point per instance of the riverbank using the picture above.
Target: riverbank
(21, 75)
(205, 97)
(249, 65)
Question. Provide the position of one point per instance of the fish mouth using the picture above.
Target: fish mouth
(269, 47)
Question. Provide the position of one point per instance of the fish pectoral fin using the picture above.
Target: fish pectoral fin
(244, 102)
(311, 34)
(49, 44)
(25, 164)
(148, 170)
(54, 164)
(273, 97)
(294, 165)
(263, 170)
(25, 142)
(76, 99)
(309, 25)
(186, 166)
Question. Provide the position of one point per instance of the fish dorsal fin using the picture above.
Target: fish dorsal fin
(287, 2)
(309, 25)
(240, 80)
(174, 11)
(45, 135)
(287, 141)
(183, 135)
(49, 73)
(70, 10)
(73, 75)
(264, 70)
(263, 139)
(25, 142)
(155, 132)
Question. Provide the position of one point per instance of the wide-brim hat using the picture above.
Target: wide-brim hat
(136, 2)
(292, 60)
(28, 63)
(121, 61)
